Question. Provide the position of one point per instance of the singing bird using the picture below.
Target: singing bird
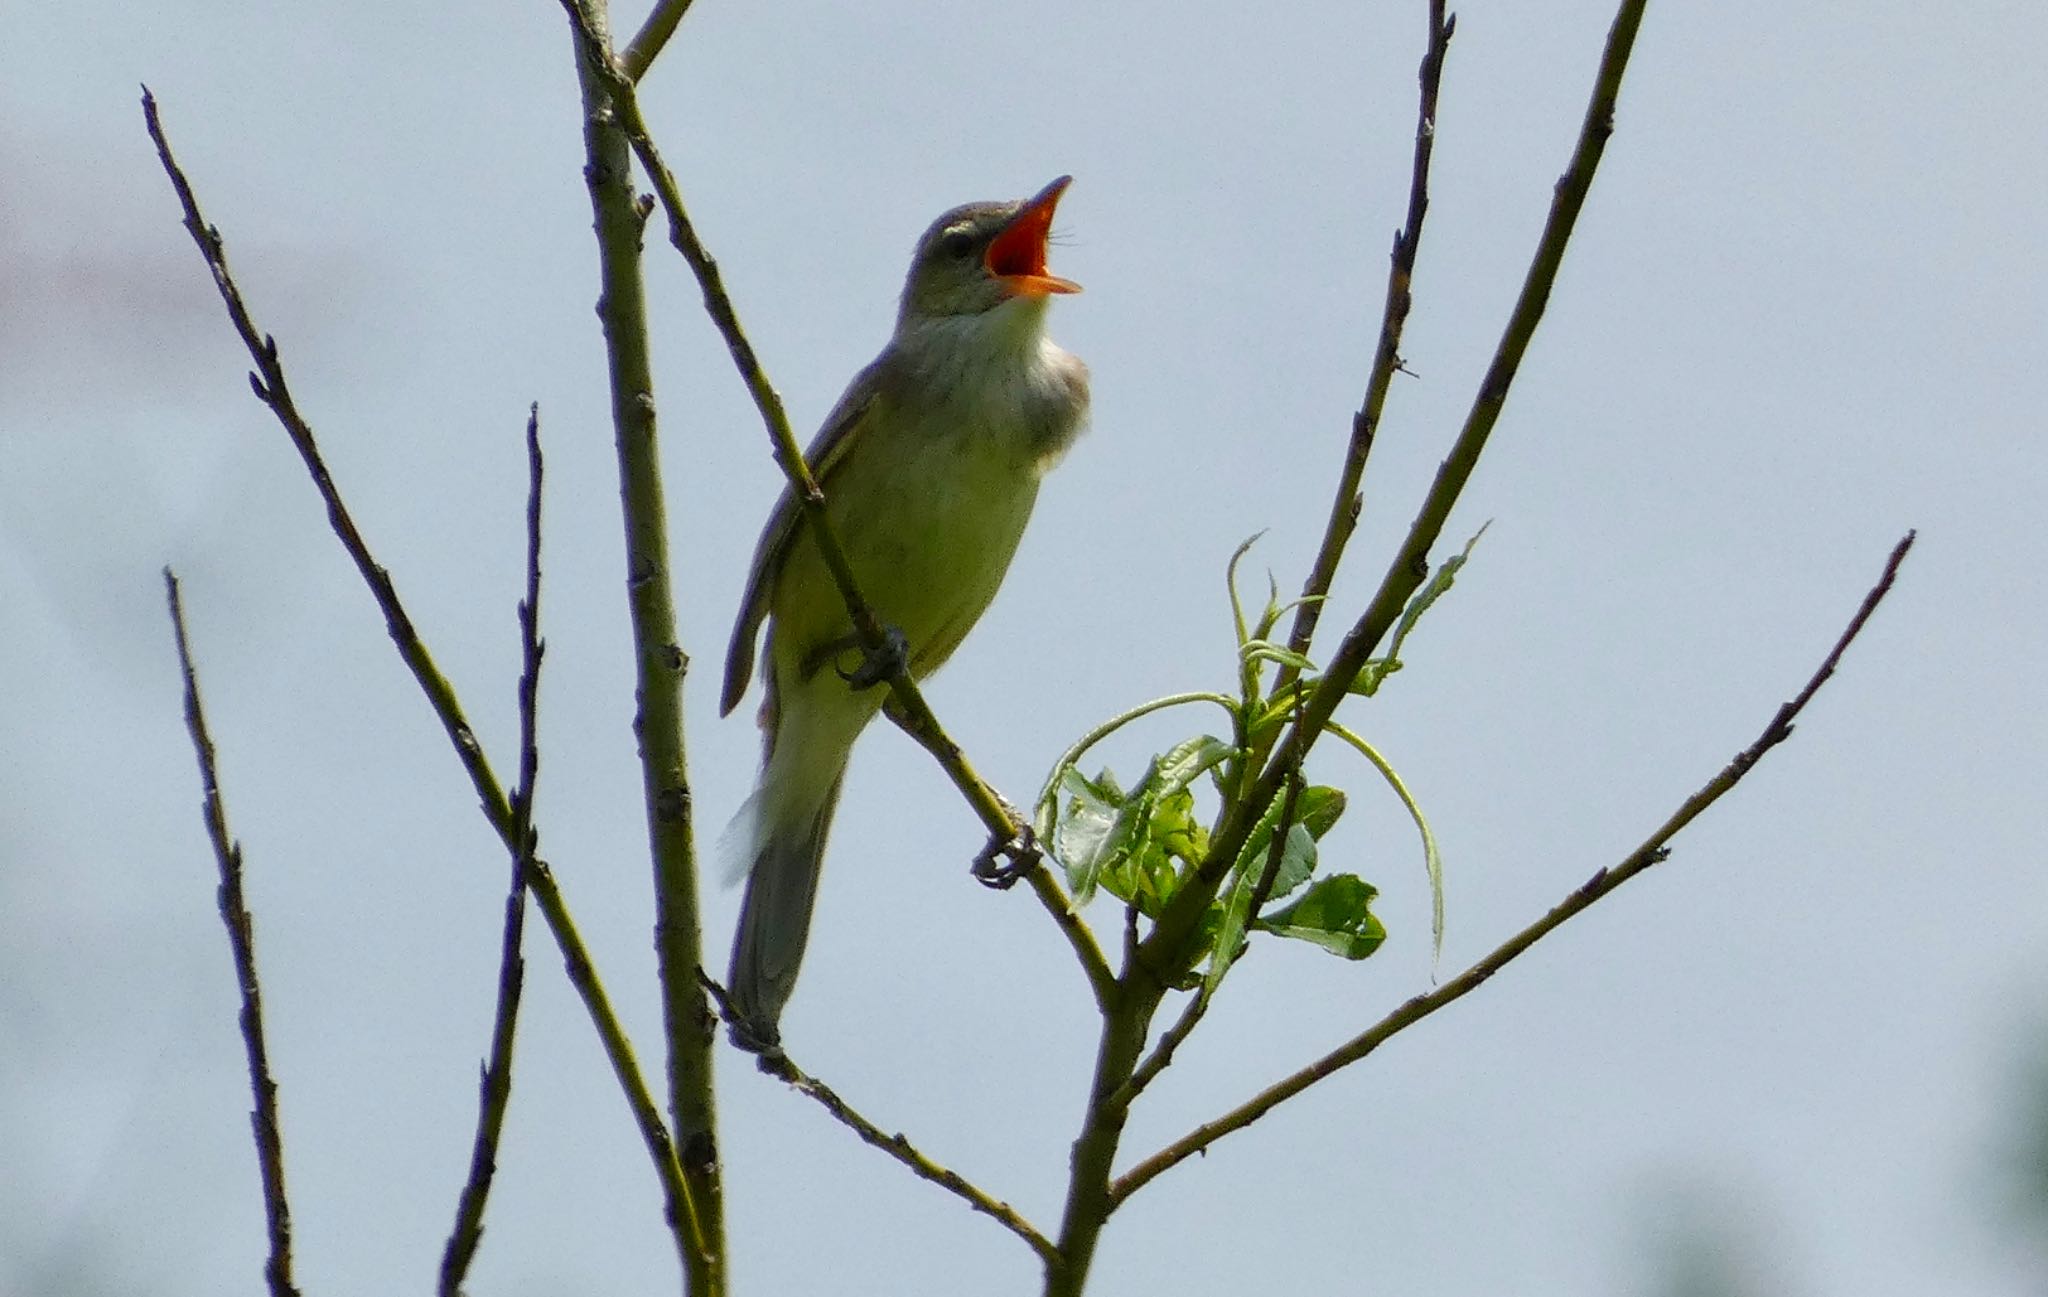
(929, 465)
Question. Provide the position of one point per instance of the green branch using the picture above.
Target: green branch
(659, 661)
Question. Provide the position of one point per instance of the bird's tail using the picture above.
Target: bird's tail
(775, 918)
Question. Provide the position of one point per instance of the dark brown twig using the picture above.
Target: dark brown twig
(234, 912)
(496, 1084)
(1653, 850)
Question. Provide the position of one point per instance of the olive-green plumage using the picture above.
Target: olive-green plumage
(930, 465)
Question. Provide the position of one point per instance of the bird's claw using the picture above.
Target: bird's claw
(882, 664)
(1003, 861)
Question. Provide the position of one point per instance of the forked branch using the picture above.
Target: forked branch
(1410, 563)
(495, 1088)
(1653, 850)
(268, 382)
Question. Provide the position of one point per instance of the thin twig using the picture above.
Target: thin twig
(1386, 361)
(268, 382)
(1053, 897)
(1163, 1050)
(234, 911)
(647, 43)
(1410, 564)
(496, 1084)
(690, 1028)
(911, 713)
(899, 1147)
(1654, 849)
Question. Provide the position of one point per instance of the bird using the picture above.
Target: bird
(929, 465)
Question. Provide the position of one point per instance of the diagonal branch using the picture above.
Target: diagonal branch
(496, 1085)
(1007, 830)
(899, 1147)
(1410, 564)
(268, 382)
(647, 43)
(227, 854)
(1347, 504)
(1653, 850)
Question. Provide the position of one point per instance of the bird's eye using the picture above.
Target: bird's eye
(957, 243)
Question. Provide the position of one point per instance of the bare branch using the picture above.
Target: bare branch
(1654, 849)
(496, 1084)
(1008, 833)
(899, 1147)
(1386, 361)
(234, 912)
(268, 382)
(659, 661)
(647, 43)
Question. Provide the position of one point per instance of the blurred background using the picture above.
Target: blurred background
(1807, 1056)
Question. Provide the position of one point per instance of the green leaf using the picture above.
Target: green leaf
(1334, 913)
(1186, 761)
(1375, 672)
(1089, 833)
(1045, 811)
(1262, 650)
(1432, 858)
(1316, 811)
(1107, 838)
(1230, 581)
(1270, 617)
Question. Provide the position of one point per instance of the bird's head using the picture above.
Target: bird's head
(983, 255)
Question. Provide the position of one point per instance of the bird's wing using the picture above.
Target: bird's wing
(825, 453)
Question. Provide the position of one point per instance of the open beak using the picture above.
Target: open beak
(1017, 255)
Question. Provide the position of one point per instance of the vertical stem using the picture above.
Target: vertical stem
(1125, 1022)
(658, 721)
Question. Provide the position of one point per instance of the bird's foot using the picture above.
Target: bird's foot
(758, 1038)
(1003, 861)
(883, 664)
(754, 1038)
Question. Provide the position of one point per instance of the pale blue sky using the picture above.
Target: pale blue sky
(1804, 313)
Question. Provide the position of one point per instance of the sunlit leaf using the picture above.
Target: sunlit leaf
(1375, 672)
(1230, 581)
(1432, 858)
(1104, 838)
(1334, 913)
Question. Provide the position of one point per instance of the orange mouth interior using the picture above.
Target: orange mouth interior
(1017, 255)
